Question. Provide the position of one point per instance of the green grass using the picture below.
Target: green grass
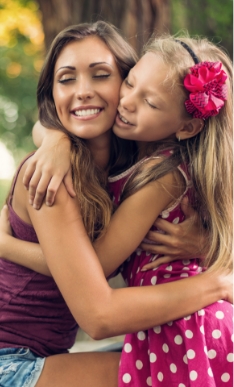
(4, 189)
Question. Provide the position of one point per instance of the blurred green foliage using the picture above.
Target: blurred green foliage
(21, 56)
(210, 18)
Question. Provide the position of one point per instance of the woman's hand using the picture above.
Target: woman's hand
(178, 241)
(47, 168)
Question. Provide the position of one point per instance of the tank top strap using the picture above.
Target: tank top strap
(10, 196)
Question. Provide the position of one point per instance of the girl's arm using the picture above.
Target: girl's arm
(49, 166)
(98, 309)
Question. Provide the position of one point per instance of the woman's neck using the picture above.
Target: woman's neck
(100, 149)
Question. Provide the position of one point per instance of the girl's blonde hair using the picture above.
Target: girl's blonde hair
(209, 154)
(89, 181)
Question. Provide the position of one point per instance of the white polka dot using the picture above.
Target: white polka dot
(170, 323)
(202, 329)
(184, 275)
(216, 334)
(181, 385)
(128, 348)
(139, 364)
(165, 348)
(169, 268)
(210, 373)
(173, 368)
(225, 377)
(141, 335)
(220, 301)
(165, 214)
(211, 354)
(127, 378)
(160, 376)
(193, 375)
(201, 312)
(142, 280)
(153, 280)
(230, 357)
(187, 317)
(167, 276)
(138, 251)
(191, 354)
(189, 334)
(157, 329)
(232, 337)
(178, 340)
(186, 261)
(185, 359)
(176, 220)
(153, 358)
(219, 315)
(205, 350)
(149, 381)
(185, 268)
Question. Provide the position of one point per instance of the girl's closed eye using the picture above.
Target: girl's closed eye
(126, 81)
(151, 105)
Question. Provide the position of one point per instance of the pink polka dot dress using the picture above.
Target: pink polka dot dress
(195, 351)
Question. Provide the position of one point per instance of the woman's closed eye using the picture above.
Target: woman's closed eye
(101, 76)
(66, 80)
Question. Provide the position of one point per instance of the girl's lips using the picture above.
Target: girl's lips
(121, 121)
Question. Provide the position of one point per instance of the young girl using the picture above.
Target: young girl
(186, 109)
(77, 89)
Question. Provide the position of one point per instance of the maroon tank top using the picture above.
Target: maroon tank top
(33, 313)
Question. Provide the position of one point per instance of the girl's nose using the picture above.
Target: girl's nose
(127, 102)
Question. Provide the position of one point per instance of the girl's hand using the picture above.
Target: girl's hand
(47, 168)
(178, 241)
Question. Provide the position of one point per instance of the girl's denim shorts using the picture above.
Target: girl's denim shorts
(19, 367)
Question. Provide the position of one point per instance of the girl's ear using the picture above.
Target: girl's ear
(190, 129)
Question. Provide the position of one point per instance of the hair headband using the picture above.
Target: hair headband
(190, 51)
(206, 84)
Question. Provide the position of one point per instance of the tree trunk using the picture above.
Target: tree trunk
(137, 19)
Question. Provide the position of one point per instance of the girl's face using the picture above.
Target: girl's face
(148, 110)
(86, 87)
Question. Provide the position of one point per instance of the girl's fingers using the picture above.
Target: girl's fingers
(33, 184)
(29, 173)
(69, 184)
(157, 263)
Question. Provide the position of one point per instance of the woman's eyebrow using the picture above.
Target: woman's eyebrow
(99, 63)
(66, 67)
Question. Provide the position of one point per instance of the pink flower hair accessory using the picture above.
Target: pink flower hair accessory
(208, 91)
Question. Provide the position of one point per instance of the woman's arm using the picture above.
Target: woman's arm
(98, 309)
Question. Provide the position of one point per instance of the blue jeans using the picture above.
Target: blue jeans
(19, 367)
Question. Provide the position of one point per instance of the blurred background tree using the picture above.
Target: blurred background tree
(27, 28)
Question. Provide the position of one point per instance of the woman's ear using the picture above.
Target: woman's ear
(190, 129)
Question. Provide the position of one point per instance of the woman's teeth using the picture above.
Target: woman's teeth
(86, 112)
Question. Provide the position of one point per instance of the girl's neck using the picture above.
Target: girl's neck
(100, 149)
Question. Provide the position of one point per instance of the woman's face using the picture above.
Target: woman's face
(86, 87)
(149, 110)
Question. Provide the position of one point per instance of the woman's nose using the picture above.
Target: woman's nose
(84, 90)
